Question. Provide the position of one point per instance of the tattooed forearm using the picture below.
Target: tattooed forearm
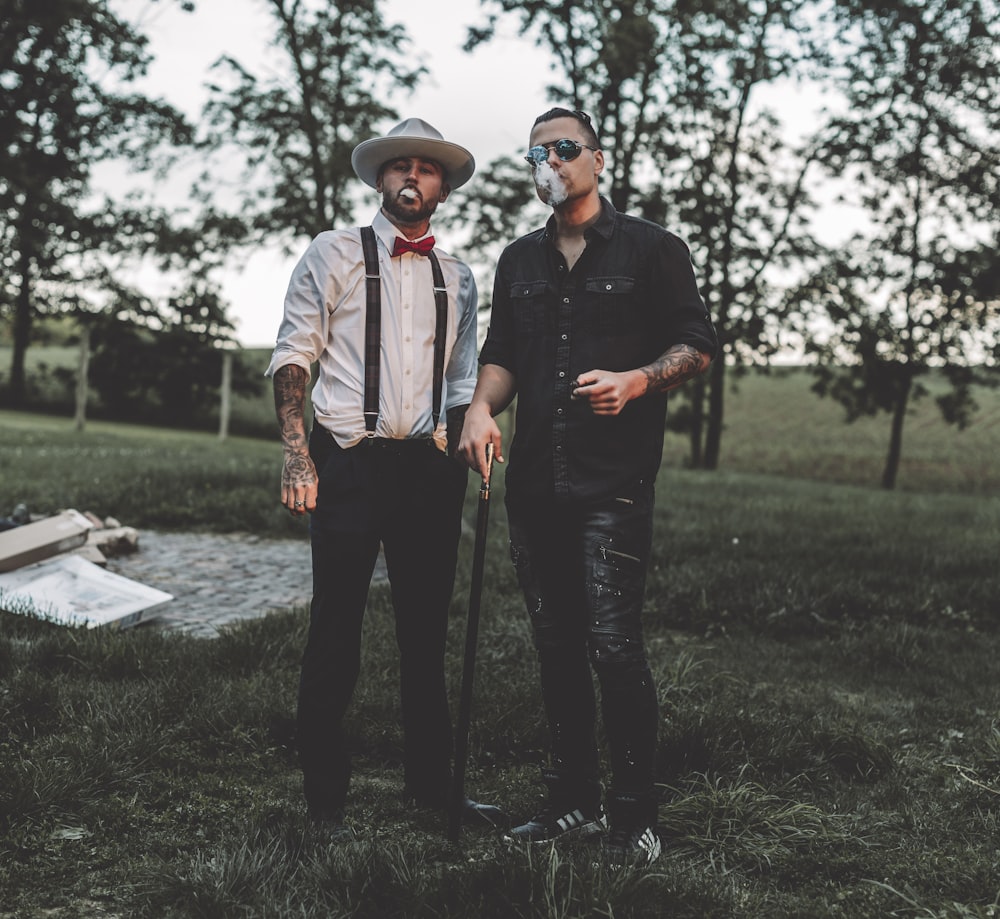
(289, 404)
(673, 367)
(297, 470)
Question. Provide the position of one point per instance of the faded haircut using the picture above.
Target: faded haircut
(582, 118)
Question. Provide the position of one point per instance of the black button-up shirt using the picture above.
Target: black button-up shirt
(631, 295)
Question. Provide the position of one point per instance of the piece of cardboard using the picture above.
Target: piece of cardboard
(88, 552)
(70, 590)
(34, 542)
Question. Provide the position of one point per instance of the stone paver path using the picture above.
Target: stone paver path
(218, 579)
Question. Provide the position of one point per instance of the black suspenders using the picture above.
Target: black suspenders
(373, 329)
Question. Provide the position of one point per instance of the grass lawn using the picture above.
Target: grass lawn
(827, 657)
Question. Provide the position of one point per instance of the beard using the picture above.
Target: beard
(408, 210)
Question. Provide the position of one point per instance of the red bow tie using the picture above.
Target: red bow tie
(423, 247)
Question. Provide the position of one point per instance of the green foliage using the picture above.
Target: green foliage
(51, 371)
(170, 376)
(917, 288)
(498, 207)
(58, 118)
(295, 128)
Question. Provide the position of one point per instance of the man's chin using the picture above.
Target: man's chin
(408, 211)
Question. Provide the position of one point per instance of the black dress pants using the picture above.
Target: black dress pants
(406, 496)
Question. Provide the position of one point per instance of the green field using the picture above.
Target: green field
(774, 425)
(827, 656)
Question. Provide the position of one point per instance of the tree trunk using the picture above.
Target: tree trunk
(716, 398)
(225, 394)
(22, 333)
(896, 435)
(83, 367)
(697, 420)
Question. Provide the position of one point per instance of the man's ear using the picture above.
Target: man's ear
(598, 162)
(445, 191)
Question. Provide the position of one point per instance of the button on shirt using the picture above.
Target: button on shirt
(324, 320)
(631, 295)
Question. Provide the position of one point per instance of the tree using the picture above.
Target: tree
(295, 128)
(917, 290)
(673, 85)
(498, 207)
(58, 117)
(163, 364)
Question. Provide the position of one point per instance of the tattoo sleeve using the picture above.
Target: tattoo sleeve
(289, 404)
(673, 367)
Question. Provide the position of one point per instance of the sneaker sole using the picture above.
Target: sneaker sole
(581, 831)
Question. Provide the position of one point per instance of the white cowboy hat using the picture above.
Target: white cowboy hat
(413, 137)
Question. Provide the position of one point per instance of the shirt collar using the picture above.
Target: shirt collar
(387, 231)
(604, 226)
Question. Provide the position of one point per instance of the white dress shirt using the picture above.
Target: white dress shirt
(324, 320)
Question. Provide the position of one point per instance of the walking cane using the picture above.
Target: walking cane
(469, 666)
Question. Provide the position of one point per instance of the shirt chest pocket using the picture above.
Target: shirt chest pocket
(532, 307)
(613, 308)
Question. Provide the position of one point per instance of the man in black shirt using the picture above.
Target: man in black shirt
(595, 317)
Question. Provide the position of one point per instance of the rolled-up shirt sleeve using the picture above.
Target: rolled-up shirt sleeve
(303, 330)
(685, 319)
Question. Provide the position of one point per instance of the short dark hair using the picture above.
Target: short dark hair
(589, 134)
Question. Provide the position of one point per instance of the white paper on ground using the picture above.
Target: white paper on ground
(72, 591)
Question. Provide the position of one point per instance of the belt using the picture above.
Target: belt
(396, 444)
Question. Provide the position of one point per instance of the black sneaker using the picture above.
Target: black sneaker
(554, 823)
(633, 840)
(631, 846)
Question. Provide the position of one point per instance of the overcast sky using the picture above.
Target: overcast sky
(485, 101)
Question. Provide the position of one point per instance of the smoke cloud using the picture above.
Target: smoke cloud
(550, 185)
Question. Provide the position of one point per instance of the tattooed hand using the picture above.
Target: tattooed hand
(608, 393)
(299, 482)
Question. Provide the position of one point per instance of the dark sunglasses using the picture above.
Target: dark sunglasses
(566, 150)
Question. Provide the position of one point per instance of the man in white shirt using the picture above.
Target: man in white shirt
(395, 340)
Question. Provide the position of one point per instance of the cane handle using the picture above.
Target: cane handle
(488, 470)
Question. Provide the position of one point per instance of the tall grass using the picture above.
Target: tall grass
(153, 774)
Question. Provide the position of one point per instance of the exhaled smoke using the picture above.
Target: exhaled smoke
(408, 193)
(550, 185)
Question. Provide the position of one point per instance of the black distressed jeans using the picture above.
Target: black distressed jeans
(582, 570)
(408, 498)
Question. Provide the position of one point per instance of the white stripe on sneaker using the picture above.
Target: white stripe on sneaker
(649, 842)
(571, 820)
